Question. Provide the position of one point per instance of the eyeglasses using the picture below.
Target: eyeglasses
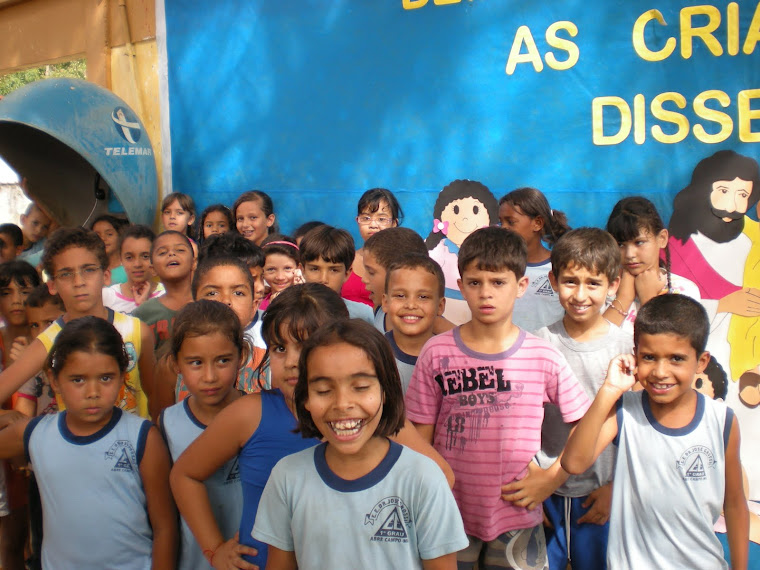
(86, 272)
(380, 220)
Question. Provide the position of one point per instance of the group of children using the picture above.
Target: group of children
(292, 378)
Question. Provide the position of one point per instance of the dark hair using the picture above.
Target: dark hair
(457, 190)
(185, 202)
(692, 204)
(282, 244)
(590, 248)
(494, 249)
(373, 343)
(304, 308)
(40, 296)
(136, 231)
(305, 228)
(632, 215)
(418, 261)
(534, 204)
(20, 272)
(265, 203)
(221, 261)
(222, 209)
(65, 238)
(675, 314)
(87, 334)
(331, 244)
(232, 244)
(717, 377)
(169, 233)
(387, 245)
(14, 232)
(371, 200)
(203, 318)
(116, 223)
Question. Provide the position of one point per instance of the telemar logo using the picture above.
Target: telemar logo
(695, 462)
(128, 128)
(122, 453)
(395, 520)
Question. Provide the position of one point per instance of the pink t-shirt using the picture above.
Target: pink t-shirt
(487, 410)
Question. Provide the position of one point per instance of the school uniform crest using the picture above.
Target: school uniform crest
(394, 518)
(123, 456)
(694, 463)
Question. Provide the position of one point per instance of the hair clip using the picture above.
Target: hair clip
(439, 226)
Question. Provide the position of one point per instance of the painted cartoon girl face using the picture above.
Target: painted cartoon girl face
(464, 216)
(730, 198)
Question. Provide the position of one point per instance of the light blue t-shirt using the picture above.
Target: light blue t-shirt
(404, 362)
(180, 428)
(359, 311)
(95, 512)
(394, 517)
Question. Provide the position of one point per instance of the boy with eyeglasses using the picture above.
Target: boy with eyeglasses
(77, 265)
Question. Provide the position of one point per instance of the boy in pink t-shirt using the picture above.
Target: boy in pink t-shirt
(477, 393)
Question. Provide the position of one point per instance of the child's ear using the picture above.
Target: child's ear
(522, 285)
(384, 303)
(538, 224)
(441, 307)
(19, 249)
(172, 362)
(459, 284)
(553, 281)
(270, 220)
(702, 361)
(614, 284)
(244, 354)
(52, 289)
(53, 381)
(191, 220)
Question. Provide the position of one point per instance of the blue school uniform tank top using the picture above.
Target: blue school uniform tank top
(180, 428)
(94, 509)
(668, 488)
(272, 440)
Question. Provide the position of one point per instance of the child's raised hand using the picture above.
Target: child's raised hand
(141, 292)
(229, 555)
(18, 347)
(600, 501)
(530, 491)
(621, 373)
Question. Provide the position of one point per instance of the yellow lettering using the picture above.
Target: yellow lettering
(688, 33)
(659, 112)
(639, 44)
(753, 33)
(704, 112)
(639, 119)
(573, 53)
(597, 114)
(732, 28)
(746, 114)
(413, 4)
(444, 2)
(523, 35)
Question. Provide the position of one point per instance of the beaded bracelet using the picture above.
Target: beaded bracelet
(620, 310)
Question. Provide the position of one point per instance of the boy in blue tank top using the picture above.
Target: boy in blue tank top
(103, 474)
(678, 461)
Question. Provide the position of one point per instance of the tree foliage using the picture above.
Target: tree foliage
(12, 81)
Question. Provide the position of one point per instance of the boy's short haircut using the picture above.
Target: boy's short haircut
(168, 233)
(305, 228)
(219, 261)
(590, 248)
(231, 244)
(494, 249)
(14, 232)
(64, 238)
(40, 296)
(418, 261)
(675, 314)
(331, 244)
(20, 272)
(136, 231)
(386, 246)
